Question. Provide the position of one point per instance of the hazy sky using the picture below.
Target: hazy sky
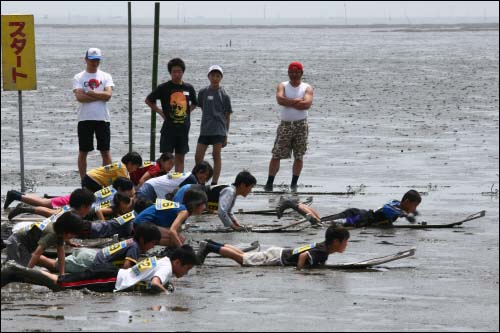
(256, 9)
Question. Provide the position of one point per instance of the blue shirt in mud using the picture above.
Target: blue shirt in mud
(163, 213)
(385, 215)
(388, 213)
(179, 195)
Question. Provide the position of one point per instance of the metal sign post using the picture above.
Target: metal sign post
(21, 138)
(19, 65)
(155, 79)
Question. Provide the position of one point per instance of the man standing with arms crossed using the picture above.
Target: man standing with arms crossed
(93, 88)
(296, 98)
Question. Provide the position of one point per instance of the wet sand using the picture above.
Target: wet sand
(392, 111)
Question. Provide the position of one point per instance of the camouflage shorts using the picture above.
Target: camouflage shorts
(291, 135)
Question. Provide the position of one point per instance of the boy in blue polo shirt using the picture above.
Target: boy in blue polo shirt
(169, 215)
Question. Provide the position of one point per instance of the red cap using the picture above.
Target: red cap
(296, 65)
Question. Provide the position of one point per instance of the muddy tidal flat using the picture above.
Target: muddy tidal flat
(392, 111)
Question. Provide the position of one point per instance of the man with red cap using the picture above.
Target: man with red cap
(296, 98)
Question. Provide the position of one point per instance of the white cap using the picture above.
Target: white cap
(215, 68)
(93, 53)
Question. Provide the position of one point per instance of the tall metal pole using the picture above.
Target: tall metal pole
(345, 13)
(155, 78)
(129, 76)
(21, 137)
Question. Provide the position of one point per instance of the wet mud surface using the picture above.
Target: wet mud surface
(392, 111)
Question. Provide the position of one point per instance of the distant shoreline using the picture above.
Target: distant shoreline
(391, 27)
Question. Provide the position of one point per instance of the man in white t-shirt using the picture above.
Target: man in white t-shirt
(296, 98)
(93, 88)
(151, 274)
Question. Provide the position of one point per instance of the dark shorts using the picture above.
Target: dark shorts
(98, 278)
(211, 139)
(109, 228)
(174, 140)
(86, 130)
(354, 217)
(90, 184)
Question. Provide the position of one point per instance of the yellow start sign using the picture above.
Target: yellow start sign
(18, 52)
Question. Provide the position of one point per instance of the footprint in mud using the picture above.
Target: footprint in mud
(55, 317)
(178, 309)
(385, 243)
(308, 273)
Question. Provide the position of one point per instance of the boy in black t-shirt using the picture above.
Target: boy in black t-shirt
(178, 99)
(311, 255)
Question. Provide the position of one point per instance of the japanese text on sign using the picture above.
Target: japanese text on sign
(18, 52)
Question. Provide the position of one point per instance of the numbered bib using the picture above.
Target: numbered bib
(304, 248)
(144, 266)
(213, 206)
(142, 286)
(175, 175)
(162, 204)
(113, 167)
(104, 204)
(112, 249)
(104, 193)
(42, 225)
(125, 218)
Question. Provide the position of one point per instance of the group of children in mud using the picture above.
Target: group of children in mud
(145, 204)
(109, 205)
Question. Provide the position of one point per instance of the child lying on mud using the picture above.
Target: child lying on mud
(169, 215)
(33, 204)
(354, 217)
(315, 254)
(151, 274)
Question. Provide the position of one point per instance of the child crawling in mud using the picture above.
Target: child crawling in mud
(312, 255)
(33, 204)
(28, 241)
(124, 254)
(168, 216)
(150, 274)
(27, 245)
(354, 217)
(221, 198)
